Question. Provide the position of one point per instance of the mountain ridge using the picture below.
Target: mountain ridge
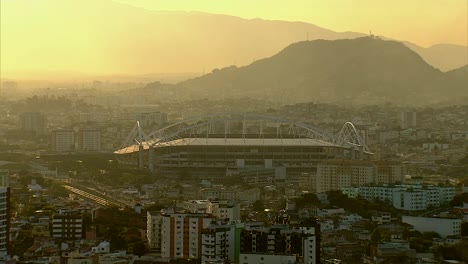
(362, 70)
(117, 38)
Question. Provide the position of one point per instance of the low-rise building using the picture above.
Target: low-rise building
(443, 226)
(410, 197)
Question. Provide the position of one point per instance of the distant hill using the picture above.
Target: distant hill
(443, 56)
(456, 82)
(114, 39)
(361, 70)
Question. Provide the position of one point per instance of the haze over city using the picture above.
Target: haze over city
(50, 38)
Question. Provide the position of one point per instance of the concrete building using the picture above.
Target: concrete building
(89, 140)
(410, 197)
(248, 196)
(4, 215)
(301, 241)
(103, 247)
(153, 230)
(218, 244)
(223, 210)
(408, 119)
(338, 174)
(443, 226)
(33, 122)
(67, 226)
(181, 235)
(63, 140)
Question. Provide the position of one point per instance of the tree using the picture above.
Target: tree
(464, 229)
(459, 199)
(375, 236)
(138, 248)
(258, 206)
(307, 199)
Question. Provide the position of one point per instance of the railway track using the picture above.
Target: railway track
(99, 199)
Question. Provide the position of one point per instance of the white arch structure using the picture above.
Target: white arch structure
(214, 123)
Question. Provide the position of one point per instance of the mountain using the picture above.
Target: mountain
(112, 38)
(456, 81)
(361, 70)
(443, 56)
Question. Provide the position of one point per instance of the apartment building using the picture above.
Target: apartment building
(181, 234)
(63, 140)
(410, 197)
(67, 225)
(89, 140)
(443, 226)
(338, 174)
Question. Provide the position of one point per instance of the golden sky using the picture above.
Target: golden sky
(424, 22)
(95, 36)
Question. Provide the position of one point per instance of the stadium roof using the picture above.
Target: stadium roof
(241, 142)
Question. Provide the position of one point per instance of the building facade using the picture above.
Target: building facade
(181, 235)
(300, 240)
(4, 215)
(218, 244)
(153, 230)
(89, 140)
(443, 226)
(67, 226)
(410, 197)
(33, 122)
(63, 140)
(338, 174)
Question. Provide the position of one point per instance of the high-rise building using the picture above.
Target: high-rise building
(89, 140)
(63, 140)
(153, 230)
(181, 235)
(338, 174)
(4, 215)
(218, 244)
(33, 122)
(408, 119)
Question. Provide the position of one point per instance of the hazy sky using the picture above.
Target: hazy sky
(108, 37)
(424, 22)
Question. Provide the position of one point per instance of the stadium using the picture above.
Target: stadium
(239, 144)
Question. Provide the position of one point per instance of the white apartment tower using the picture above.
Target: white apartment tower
(153, 228)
